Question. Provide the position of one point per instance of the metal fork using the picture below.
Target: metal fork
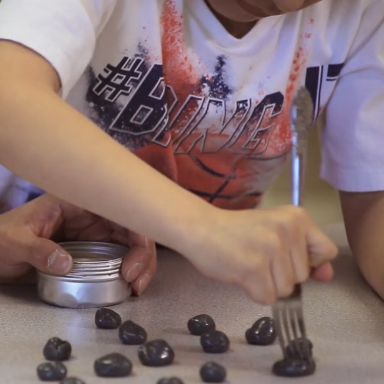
(288, 312)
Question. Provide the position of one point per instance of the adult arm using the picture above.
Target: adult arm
(353, 156)
(364, 221)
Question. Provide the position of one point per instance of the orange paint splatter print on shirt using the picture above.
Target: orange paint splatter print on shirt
(199, 120)
(230, 163)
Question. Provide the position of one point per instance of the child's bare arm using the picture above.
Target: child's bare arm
(45, 141)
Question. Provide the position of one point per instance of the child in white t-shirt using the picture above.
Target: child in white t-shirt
(200, 90)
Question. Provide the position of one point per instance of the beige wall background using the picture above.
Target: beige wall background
(321, 201)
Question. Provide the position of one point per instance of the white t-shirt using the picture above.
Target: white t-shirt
(210, 111)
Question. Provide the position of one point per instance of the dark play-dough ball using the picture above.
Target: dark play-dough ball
(51, 371)
(201, 324)
(294, 368)
(105, 318)
(112, 365)
(156, 353)
(262, 332)
(72, 380)
(57, 350)
(170, 380)
(214, 342)
(132, 334)
(213, 373)
(293, 353)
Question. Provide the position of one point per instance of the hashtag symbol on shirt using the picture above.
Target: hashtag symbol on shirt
(118, 79)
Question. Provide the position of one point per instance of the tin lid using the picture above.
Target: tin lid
(94, 260)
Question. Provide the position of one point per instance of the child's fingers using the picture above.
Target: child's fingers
(283, 274)
(260, 288)
(322, 273)
(321, 248)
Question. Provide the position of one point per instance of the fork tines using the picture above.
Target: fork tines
(290, 327)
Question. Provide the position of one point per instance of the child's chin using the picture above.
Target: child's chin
(248, 19)
(253, 13)
(232, 11)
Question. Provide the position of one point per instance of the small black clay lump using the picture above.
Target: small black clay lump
(105, 318)
(294, 367)
(112, 365)
(201, 324)
(214, 342)
(72, 380)
(213, 373)
(156, 353)
(132, 334)
(293, 348)
(51, 371)
(170, 380)
(57, 350)
(262, 332)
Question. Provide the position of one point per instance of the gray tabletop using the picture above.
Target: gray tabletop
(345, 321)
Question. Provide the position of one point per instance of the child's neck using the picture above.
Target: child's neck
(235, 28)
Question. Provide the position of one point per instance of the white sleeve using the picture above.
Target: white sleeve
(64, 32)
(353, 137)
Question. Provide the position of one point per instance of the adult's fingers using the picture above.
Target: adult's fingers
(139, 264)
(18, 275)
(142, 282)
(43, 254)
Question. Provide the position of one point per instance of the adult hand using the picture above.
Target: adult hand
(28, 235)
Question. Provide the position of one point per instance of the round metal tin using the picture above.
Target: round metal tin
(95, 280)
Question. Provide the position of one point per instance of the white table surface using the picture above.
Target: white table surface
(345, 321)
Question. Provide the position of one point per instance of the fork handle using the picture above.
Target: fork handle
(299, 158)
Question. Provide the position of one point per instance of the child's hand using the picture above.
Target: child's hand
(265, 251)
(25, 234)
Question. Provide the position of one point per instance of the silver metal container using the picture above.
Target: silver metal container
(94, 281)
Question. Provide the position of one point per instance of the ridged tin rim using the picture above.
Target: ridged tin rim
(93, 260)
